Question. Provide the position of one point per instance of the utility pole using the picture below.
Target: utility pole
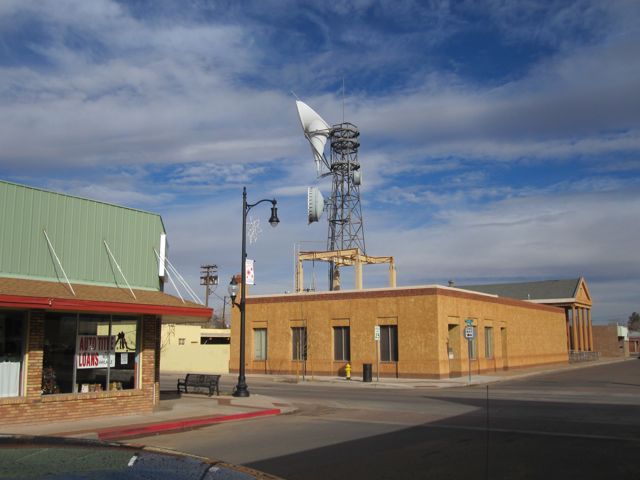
(224, 313)
(208, 277)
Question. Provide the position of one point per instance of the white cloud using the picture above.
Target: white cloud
(111, 104)
(538, 236)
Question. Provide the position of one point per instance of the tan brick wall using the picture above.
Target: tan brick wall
(35, 408)
(533, 334)
(34, 357)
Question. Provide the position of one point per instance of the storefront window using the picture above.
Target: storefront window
(94, 353)
(59, 351)
(11, 352)
(124, 372)
(90, 353)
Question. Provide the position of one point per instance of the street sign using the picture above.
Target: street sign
(469, 333)
(468, 322)
(376, 333)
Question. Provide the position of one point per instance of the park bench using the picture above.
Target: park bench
(197, 380)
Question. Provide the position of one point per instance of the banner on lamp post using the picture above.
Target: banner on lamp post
(249, 274)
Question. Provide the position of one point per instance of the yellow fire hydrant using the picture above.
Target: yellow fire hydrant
(347, 371)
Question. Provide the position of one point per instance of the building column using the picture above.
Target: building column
(33, 360)
(574, 329)
(567, 320)
(580, 330)
(299, 276)
(358, 273)
(590, 330)
(583, 329)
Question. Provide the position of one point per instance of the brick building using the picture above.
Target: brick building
(81, 305)
(572, 295)
(421, 332)
(611, 340)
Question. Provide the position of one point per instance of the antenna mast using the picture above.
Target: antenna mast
(346, 228)
(344, 213)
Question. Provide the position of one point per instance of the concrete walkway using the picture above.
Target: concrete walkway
(174, 413)
(187, 411)
(386, 382)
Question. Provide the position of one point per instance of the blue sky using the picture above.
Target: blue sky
(500, 140)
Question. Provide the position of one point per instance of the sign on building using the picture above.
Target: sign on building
(95, 351)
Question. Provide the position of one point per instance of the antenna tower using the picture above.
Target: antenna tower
(344, 212)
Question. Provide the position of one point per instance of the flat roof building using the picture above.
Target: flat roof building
(421, 332)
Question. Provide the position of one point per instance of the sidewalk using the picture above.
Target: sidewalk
(174, 413)
(186, 411)
(464, 381)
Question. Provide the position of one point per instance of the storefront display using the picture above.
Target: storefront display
(90, 353)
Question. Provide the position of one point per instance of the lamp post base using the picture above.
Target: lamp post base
(241, 391)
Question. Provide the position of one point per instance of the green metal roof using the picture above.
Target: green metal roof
(77, 228)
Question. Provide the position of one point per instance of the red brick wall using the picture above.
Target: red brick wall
(35, 408)
(606, 342)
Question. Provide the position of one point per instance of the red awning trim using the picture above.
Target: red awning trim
(63, 304)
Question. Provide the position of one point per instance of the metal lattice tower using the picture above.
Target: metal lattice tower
(346, 229)
(344, 213)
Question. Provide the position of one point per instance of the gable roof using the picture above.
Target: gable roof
(542, 290)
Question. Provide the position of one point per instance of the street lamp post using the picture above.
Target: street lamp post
(241, 389)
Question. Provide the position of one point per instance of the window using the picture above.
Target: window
(215, 340)
(341, 343)
(11, 352)
(94, 345)
(89, 353)
(181, 341)
(259, 343)
(60, 332)
(123, 371)
(299, 343)
(488, 342)
(389, 343)
(473, 352)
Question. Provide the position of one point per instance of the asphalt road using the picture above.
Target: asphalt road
(576, 423)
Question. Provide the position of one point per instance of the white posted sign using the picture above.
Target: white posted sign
(376, 333)
(469, 333)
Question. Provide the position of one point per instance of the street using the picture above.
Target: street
(579, 422)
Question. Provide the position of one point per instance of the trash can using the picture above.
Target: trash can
(366, 372)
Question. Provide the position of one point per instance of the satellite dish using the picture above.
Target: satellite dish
(315, 204)
(357, 177)
(315, 129)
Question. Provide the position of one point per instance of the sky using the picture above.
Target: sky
(500, 140)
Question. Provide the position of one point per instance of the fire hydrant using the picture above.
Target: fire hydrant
(347, 371)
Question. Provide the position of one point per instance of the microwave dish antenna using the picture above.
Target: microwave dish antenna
(316, 130)
(344, 212)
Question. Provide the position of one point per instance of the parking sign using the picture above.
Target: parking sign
(469, 333)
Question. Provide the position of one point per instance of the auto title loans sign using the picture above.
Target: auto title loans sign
(93, 351)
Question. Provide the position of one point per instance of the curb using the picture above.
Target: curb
(448, 383)
(178, 425)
